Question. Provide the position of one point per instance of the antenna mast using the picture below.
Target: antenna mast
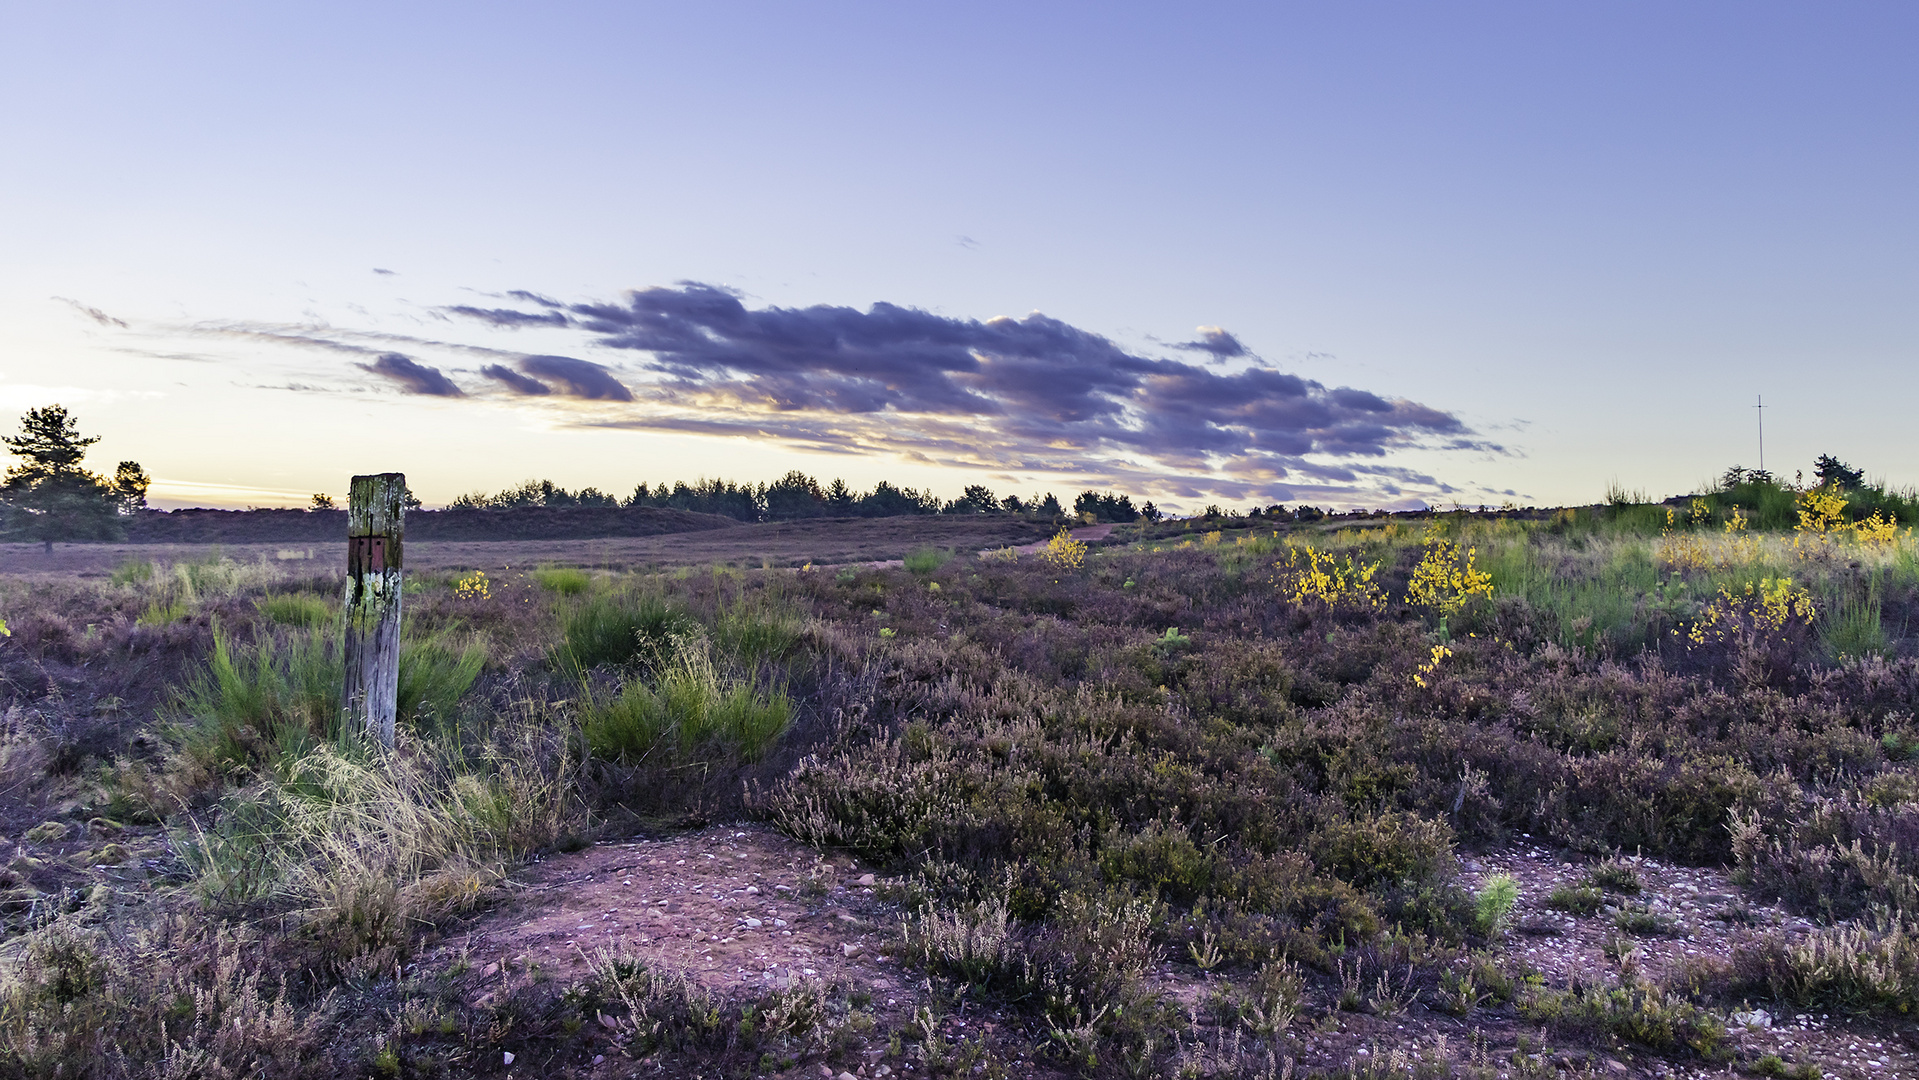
(1761, 406)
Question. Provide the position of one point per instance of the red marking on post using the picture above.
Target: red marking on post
(365, 554)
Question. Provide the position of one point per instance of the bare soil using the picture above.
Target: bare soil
(1707, 919)
(738, 908)
(742, 909)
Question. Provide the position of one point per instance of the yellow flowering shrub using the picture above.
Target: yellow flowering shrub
(1822, 517)
(1822, 510)
(1764, 610)
(1738, 547)
(1211, 539)
(1440, 652)
(1683, 550)
(474, 586)
(1063, 552)
(1446, 578)
(1878, 531)
(1333, 580)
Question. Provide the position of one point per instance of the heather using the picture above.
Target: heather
(1254, 751)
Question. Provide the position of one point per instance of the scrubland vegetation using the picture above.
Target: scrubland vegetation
(1251, 750)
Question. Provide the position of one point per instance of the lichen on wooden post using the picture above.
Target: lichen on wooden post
(376, 515)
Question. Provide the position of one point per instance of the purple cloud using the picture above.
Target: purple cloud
(515, 381)
(413, 377)
(582, 378)
(1032, 380)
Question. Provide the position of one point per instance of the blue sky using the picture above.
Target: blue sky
(1501, 251)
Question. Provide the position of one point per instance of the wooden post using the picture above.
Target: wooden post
(376, 512)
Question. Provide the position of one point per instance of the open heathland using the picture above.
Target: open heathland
(822, 541)
(1623, 790)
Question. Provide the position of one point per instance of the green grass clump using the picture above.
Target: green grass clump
(1493, 904)
(302, 610)
(925, 560)
(256, 699)
(686, 707)
(614, 631)
(160, 612)
(751, 634)
(434, 676)
(1854, 628)
(565, 580)
(262, 701)
(1642, 922)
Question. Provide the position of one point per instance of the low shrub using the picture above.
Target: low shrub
(1576, 899)
(173, 997)
(1615, 875)
(1080, 971)
(1852, 969)
(1640, 1013)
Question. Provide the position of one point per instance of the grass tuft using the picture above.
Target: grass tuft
(925, 560)
(565, 580)
(688, 707)
(617, 630)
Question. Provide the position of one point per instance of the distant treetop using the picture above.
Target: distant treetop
(1830, 470)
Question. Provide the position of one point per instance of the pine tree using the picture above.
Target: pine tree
(49, 496)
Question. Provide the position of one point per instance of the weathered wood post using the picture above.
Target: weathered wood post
(376, 513)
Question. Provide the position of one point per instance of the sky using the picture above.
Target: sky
(1351, 255)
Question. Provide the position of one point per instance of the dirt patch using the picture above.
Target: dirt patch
(736, 907)
(744, 910)
(1688, 915)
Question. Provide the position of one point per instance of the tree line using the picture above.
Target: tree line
(50, 496)
(797, 496)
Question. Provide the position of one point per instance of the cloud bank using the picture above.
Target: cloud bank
(1026, 392)
(1030, 395)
